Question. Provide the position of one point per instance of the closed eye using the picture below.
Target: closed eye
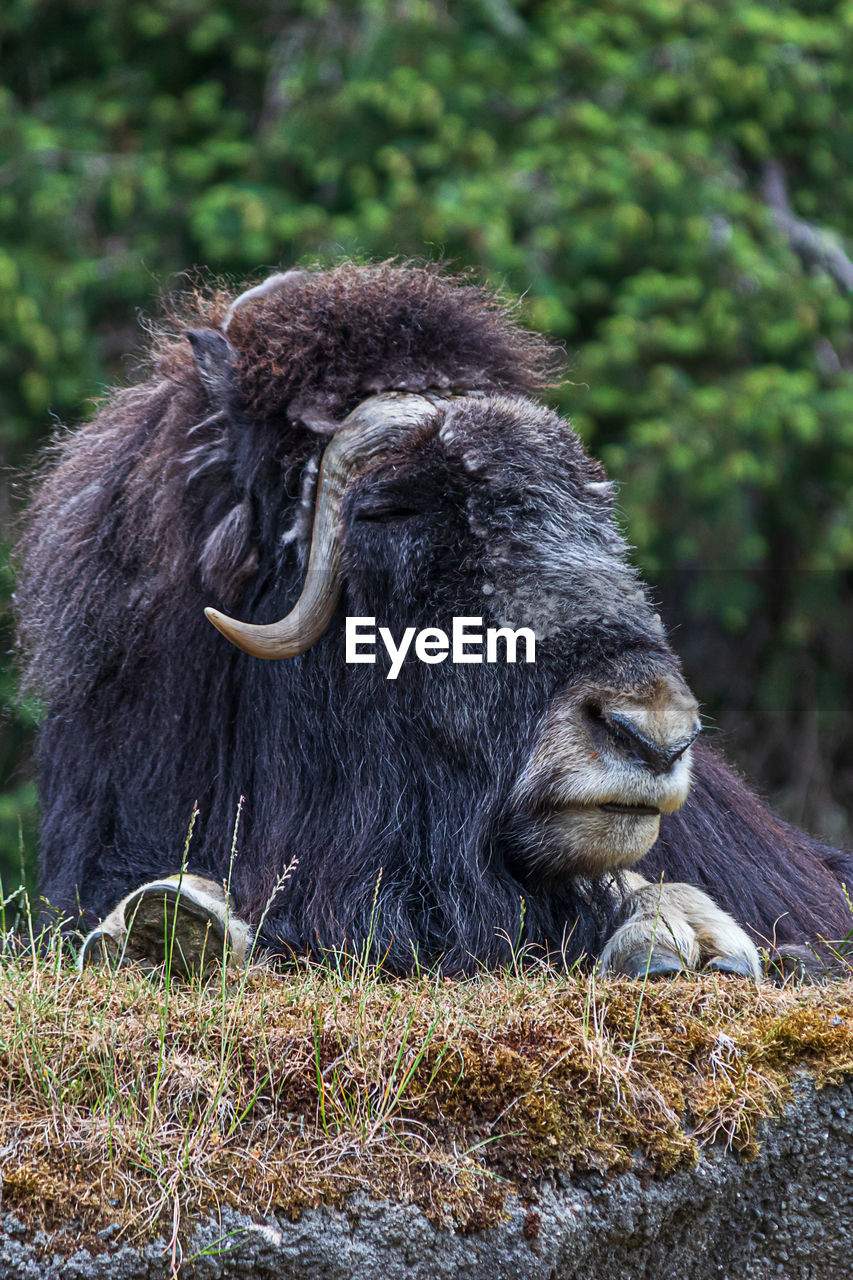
(385, 515)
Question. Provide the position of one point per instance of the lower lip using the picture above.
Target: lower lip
(632, 810)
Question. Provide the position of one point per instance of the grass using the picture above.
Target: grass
(147, 1103)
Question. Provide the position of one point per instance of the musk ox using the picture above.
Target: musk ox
(366, 442)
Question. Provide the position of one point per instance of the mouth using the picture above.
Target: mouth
(635, 810)
(612, 806)
(587, 835)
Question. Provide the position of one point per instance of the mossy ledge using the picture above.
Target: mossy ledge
(136, 1107)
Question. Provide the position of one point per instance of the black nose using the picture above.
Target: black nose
(622, 732)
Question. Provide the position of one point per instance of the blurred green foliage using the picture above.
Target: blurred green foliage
(612, 161)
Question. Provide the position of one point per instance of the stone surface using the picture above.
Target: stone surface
(788, 1214)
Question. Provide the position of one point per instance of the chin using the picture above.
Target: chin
(589, 842)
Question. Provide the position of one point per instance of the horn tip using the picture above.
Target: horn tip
(222, 622)
(258, 642)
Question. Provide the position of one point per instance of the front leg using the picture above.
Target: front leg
(670, 928)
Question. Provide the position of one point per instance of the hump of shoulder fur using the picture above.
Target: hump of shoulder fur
(316, 342)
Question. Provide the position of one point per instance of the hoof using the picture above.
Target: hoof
(659, 964)
(100, 947)
(801, 966)
(166, 926)
(731, 964)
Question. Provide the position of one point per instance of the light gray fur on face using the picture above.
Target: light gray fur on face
(557, 557)
(572, 770)
(554, 560)
(571, 774)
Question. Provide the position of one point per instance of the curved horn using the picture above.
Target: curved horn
(373, 427)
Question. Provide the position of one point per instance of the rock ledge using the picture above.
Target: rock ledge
(788, 1213)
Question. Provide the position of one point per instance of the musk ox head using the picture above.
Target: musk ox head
(508, 486)
(355, 442)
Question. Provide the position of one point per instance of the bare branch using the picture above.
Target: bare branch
(816, 243)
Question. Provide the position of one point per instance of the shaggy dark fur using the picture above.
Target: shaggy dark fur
(194, 488)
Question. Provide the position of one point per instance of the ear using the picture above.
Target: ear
(216, 361)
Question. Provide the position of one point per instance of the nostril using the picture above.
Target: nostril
(597, 723)
(594, 714)
(626, 735)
